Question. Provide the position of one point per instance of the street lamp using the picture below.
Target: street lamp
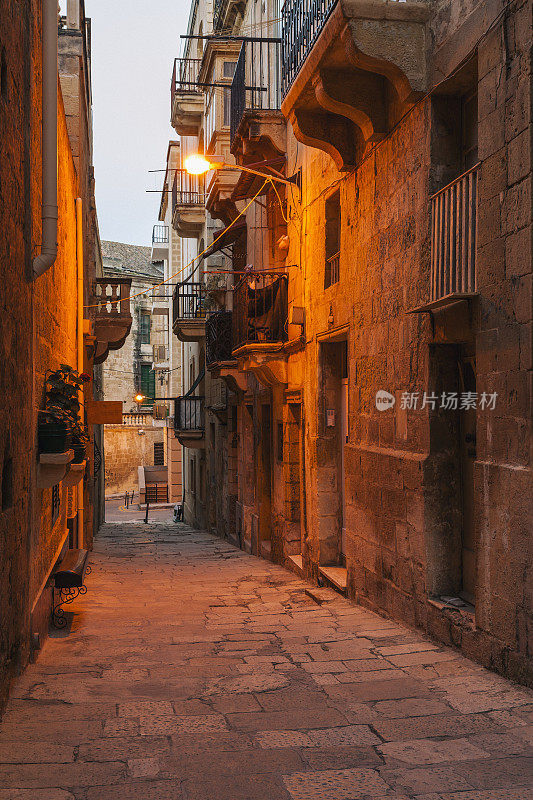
(198, 164)
(139, 398)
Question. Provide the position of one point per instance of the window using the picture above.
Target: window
(159, 454)
(279, 448)
(144, 327)
(148, 383)
(56, 502)
(228, 69)
(333, 239)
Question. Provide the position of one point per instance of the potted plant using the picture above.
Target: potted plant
(53, 433)
(59, 420)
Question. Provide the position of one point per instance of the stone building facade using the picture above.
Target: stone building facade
(377, 430)
(142, 367)
(44, 509)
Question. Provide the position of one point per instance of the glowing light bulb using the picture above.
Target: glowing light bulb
(197, 164)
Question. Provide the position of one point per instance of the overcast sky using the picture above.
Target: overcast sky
(134, 43)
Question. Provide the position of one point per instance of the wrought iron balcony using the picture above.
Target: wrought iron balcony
(256, 85)
(185, 75)
(160, 234)
(186, 97)
(453, 237)
(160, 242)
(260, 310)
(190, 306)
(110, 301)
(188, 204)
(189, 420)
(453, 243)
(218, 338)
(301, 24)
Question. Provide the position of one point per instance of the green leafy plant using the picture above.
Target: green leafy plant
(61, 403)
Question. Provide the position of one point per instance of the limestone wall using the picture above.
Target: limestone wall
(19, 169)
(128, 447)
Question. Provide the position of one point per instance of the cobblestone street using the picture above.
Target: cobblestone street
(192, 671)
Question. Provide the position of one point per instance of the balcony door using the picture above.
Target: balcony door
(148, 383)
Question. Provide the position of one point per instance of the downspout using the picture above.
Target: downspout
(48, 253)
(79, 260)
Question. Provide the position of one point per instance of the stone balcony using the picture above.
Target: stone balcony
(351, 68)
(110, 303)
(186, 97)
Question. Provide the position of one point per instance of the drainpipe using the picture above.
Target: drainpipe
(48, 253)
(79, 260)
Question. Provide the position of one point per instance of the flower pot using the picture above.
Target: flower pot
(53, 437)
(79, 452)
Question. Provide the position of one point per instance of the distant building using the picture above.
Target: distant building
(140, 367)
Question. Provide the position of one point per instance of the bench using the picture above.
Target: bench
(68, 578)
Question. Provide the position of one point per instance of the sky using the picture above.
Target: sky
(134, 43)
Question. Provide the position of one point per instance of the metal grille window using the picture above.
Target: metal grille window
(333, 239)
(56, 502)
(159, 454)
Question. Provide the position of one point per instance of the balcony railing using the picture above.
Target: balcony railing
(136, 418)
(333, 269)
(160, 234)
(185, 76)
(189, 414)
(260, 309)
(187, 190)
(190, 301)
(256, 81)
(301, 24)
(453, 237)
(111, 297)
(218, 337)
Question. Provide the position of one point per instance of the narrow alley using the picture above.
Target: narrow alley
(193, 671)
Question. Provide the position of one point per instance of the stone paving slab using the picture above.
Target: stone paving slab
(193, 671)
